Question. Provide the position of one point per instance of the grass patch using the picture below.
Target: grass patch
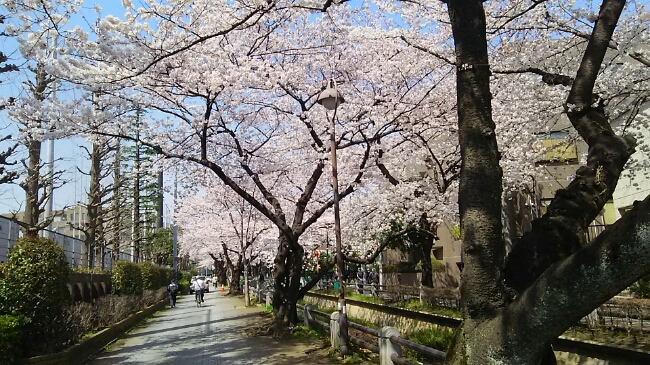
(364, 298)
(358, 358)
(316, 333)
(415, 305)
(267, 308)
(634, 339)
(438, 338)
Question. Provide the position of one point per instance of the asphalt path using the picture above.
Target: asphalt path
(212, 334)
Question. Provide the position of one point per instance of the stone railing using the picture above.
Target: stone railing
(86, 287)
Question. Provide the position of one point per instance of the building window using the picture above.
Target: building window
(557, 147)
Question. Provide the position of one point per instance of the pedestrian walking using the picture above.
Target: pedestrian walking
(360, 281)
(172, 288)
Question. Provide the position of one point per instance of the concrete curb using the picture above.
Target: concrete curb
(79, 353)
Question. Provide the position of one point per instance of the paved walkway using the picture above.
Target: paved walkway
(212, 334)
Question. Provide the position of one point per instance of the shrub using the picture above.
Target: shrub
(641, 289)
(127, 278)
(90, 270)
(11, 328)
(184, 286)
(166, 276)
(82, 318)
(402, 267)
(35, 287)
(150, 275)
(438, 338)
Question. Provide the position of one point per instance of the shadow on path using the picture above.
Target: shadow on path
(213, 334)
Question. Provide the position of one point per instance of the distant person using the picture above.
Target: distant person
(172, 288)
(371, 277)
(360, 281)
(373, 280)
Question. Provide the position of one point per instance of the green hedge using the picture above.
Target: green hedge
(35, 287)
(402, 267)
(11, 334)
(127, 278)
(154, 277)
(150, 275)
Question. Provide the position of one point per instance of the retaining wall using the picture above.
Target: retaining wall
(86, 287)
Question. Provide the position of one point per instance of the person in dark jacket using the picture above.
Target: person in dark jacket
(172, 288)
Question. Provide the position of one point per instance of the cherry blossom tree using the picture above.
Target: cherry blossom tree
(239, 104)
(515, 320)
(237, 234)
(238, 85)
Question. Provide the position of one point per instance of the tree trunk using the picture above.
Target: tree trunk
(426, 245)
(136, 232)
(427, 270)
(286, 274)
(233, 279)
(33, 181)
(478, 340)
(554, 279)
(116, 205)
(31, 185)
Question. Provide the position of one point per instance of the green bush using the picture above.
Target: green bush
(11, 333)
(127, 278)
(438, 338)
(151, 278)
(35, 286)
(166, 276)
(402, 267)
(184, 286)
(187, 275)
(90, 270)
(641, 289)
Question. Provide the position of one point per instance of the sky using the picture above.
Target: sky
(68, 154)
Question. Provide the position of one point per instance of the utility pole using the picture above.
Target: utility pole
(175, 231)
(49, 188)
(160, 199)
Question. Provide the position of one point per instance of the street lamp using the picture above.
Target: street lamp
(330, 98)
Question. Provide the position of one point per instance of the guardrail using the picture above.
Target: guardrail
(389, 342)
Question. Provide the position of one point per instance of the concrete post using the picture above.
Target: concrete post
(268, 299)
(421, 294)
(307, 315)
(334, 330)
(387, 348)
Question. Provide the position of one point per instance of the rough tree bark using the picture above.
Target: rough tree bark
(513, 311)
(286, 274)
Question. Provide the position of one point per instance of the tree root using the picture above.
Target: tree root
(269, 328)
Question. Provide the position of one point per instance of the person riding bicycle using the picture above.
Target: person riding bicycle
(198, 286)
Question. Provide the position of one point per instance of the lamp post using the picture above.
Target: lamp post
(330, 98)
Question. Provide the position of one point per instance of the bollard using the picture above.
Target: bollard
(268, 299)
(421, 294)
(387, 348)
(307, 315)
(334, 330)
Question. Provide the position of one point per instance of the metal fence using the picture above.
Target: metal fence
(388, 339)
(10, 232)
